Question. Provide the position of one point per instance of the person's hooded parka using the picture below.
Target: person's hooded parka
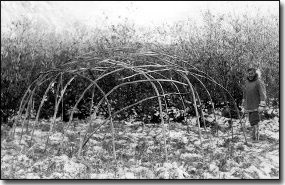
(254, 92)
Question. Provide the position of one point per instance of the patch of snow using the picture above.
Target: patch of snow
(57, 138)
(72, 168)
(152, 133)
(23, 158)
(64, 158)
(32, 176)
(7, 158)
(102, 176)
(208, 176)
(97, 148)
(190, 148)
(56, 175)
(129, 175)
(274, 158)
(132, 160)
(190, 156)
(197, 143)
(213, 167)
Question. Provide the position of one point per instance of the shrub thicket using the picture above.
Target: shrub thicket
(223, 47)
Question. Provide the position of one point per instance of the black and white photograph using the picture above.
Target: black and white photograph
(141, 90)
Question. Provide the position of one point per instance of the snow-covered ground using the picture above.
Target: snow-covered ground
(140, 152)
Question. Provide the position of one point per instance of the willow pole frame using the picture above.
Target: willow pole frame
(147, 70)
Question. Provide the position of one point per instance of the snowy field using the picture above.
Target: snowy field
(140, 152)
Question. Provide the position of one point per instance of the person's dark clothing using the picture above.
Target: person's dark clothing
(254, 118)
(254, 92)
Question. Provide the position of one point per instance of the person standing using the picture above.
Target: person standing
(254, 97)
